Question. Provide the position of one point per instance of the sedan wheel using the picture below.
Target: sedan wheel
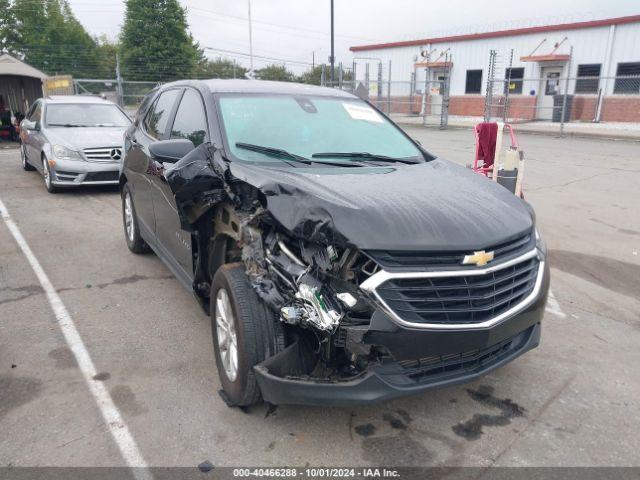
(46, 173)
(227, 338)
(129, 225)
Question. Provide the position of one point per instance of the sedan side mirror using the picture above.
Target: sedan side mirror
(30, 125)
(170, 151)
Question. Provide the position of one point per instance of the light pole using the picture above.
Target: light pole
(332, 53)
(250, 42)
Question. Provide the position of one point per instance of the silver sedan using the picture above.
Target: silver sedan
(73, 140)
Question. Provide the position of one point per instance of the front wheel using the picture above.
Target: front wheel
(245, 333)
(46, 173)
(135, 242)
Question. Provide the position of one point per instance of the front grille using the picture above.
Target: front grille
(460, 298)
(424, 259)
(439, 366)
(103, 154)
(101, 176)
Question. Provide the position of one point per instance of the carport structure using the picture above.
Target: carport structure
(20, 84)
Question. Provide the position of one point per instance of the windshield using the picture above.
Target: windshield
(85, 115)
(306, 126)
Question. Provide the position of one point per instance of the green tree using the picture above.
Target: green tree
(219, 68)
(275, 72)
(46, 34)
(313, 76)
(155, 43)
(106, 54)
(8, 28)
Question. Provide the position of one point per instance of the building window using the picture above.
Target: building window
(588, 78)
(514, 78)
(628, 83)
(474, 81)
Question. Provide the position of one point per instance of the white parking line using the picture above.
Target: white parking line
(553, 306)
(110, 412)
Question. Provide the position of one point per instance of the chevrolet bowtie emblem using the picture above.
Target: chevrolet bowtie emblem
(479, 258)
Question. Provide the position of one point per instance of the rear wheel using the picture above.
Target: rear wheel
(46, 173)
(135, 242)
(244, 333)
(23, 157)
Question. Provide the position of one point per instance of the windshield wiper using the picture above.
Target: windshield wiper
(67, 125)
(365, 155)
(275, 152)
(278, 152)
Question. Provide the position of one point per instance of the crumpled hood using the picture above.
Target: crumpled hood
(430, 206)
(86, 137)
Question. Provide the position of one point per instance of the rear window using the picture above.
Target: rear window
(85, 115)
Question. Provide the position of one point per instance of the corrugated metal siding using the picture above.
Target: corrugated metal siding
(589, 46)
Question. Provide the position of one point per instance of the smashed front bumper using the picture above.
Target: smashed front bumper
(420, 360)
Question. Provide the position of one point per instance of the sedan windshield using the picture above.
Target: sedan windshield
(85, 115)
(315, 128)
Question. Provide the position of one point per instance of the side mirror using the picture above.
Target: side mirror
(170, 151)
(29, 125)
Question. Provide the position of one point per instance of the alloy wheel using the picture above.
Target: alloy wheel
(226, 335)
(46, 173)
(128, 217)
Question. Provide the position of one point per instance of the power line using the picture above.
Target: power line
(245, 54)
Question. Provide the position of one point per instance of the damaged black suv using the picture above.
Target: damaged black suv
(339, 261)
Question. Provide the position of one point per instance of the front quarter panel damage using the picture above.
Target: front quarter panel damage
(304, 271)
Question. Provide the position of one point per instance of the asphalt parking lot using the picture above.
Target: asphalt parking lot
(574, 401)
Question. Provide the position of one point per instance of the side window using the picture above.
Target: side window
(36, 113)
(191, 121)
(156, 120)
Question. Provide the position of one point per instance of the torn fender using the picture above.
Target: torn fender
(196, 186)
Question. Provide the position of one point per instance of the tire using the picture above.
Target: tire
(257, 333)
(134, 240)
(23, 157)
(46, 173)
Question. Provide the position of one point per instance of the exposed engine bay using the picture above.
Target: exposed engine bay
(307, 243)
(311, 287)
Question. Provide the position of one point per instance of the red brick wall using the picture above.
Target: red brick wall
(467, 105)
(583, 108)
(522, 107)
(621, 108)
(401, 104)
(616, 108)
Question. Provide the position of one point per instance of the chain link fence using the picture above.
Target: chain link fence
(127, 94)
(560, 100)
(548, 102)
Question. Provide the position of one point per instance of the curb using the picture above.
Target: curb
(551, 133)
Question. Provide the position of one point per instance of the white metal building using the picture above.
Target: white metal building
(589, 53)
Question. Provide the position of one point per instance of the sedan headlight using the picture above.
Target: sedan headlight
(63, 153)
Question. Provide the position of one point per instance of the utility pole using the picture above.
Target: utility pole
(251, 41)
(313, 59)
(119, 89)
(332, 52)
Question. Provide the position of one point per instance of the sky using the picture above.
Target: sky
(296, 32)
